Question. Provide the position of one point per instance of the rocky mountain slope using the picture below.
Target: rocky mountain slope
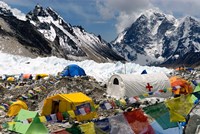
(45, 33)
(158, 38)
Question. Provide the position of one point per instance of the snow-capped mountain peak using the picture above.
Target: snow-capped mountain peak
(7, 10)
(74, 41)
(156, 38)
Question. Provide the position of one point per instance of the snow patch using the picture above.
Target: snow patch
(49, 34)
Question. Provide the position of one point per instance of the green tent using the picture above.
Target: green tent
(22, 126)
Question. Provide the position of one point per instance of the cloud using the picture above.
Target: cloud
(123, 11)
(179, 8)
(100, 22)
(18, 14)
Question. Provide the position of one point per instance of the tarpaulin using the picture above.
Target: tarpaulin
(180, 85)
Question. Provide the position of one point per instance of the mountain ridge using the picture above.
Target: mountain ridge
(154, 38)
(159, 39)
(53, 36)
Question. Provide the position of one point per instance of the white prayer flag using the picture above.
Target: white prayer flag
(82, 111)
(107, 105)
(132, 100)
(53, 117)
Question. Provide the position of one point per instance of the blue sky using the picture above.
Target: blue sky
(108, 17)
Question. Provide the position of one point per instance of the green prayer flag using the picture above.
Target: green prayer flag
(161, 114)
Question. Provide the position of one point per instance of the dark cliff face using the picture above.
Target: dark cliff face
(159, 39)
(27, 36)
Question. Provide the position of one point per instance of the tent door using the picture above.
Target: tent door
(115, 81)
(55, 107)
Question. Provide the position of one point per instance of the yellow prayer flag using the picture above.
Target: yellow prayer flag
(88, 128)
(145, 95)
(175, 117)
(11, 123)
(43, 119)
(122, 102)
(179, 107)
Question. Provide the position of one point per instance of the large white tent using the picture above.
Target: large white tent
(120, 85)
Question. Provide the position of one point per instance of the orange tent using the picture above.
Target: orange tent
(180, 68)
(180, 85)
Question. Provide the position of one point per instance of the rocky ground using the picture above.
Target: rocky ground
(41, 89)
(11, 91)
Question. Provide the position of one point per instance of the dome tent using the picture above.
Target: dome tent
(16, 107)
(120, 85)
(73, 70)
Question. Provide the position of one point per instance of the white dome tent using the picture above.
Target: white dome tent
(120, 85)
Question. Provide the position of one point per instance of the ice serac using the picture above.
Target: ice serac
(155, 38)
(73, 42)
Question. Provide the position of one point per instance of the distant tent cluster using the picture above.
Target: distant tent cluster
(72, 70)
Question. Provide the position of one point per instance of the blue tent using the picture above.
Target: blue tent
(73, 70)
(144, 72)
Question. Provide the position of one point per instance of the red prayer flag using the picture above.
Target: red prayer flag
(138, 122)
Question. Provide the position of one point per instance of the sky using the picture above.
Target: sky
(108, 17)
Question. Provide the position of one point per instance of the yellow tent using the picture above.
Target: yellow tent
(16, 107)
(10, 79)
(78, 105)
(39, 76)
